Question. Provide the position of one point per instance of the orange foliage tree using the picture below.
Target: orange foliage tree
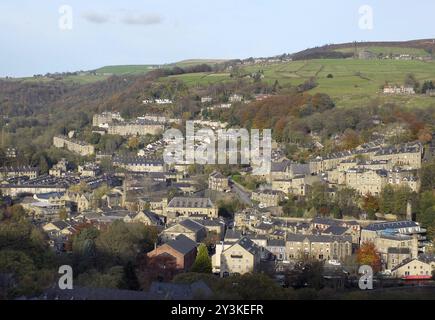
(367, 255)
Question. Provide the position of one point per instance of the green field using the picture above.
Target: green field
(195, 62)
(194, 79)
(354, 82)
(389, 50)
(127, 69)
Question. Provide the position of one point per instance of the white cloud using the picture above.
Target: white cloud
(98, 18)
(142, 19)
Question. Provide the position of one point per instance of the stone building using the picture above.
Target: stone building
(15, 172)
(319, 247)
(218, 182)
(407, 228)
(190, 228)
(89, 169)
(106, 118)
(408, 156)
(268, 198)
(136, 128)
(421, 268)
(191, 207)
(240, 257)
(139, 164)
(75, 146)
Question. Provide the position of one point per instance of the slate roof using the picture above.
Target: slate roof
(325, 221)
(391, 225)
(336, 230)
(232, 234)
(182, 244)
(249, 245)
(191, 225)
(188, 202)
(61, 224)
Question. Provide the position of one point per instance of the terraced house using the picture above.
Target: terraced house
(319, 247)
(136, 128)
(76, 146)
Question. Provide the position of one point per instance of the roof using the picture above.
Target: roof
(60, 224)
(280, 166)
(179, 291)
(157, 291)
(210, 223)
(188, 202)
(336, 230)
(182, 244)
(232, 234)
(218, 175)
(191, 225)
(326, 221)
(396, 237)
(249, 245)
(391, 225)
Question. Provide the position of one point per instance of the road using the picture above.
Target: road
(243, 195)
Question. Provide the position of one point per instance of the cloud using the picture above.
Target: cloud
(98, 18)
(143, 19)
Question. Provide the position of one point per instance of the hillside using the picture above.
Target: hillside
(415, 48)
(350, 82)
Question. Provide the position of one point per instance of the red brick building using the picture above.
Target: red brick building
(182, 249)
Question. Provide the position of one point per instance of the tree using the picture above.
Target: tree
(411, 81)
(368, 255)
(427, 85)
(63, 214)
(425, 135)
(112, 279)
(427, 176)
(370, 204)
(426, 212)
(306, 273)
(133, 143)
(202, 262)
(394, 200)
(350, 139)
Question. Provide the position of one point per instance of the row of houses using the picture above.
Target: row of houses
(408, 156)
(76, 146)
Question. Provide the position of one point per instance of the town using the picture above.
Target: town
(205, 158)
(215, 215)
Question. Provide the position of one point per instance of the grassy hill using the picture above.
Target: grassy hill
(142, 69)
(125, 69)
(354, 81)
(195, 62)
(415, 48)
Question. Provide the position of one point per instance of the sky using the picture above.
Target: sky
(40, 36)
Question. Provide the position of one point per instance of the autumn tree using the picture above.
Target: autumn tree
(370, 204)
(133, 143)
(425, 135)
(367, 255)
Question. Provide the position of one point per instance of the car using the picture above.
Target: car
(334, 262)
